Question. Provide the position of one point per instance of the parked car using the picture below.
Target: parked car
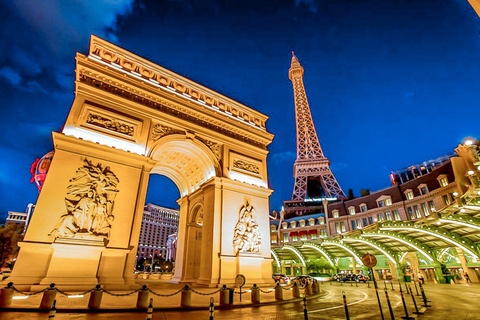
(281, 278)
(362, 278)
(341, 277)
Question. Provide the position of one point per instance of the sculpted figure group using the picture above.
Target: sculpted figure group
(246, 236)
(89, 202)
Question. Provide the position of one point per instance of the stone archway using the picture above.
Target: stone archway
(132, 118)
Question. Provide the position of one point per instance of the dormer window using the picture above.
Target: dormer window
(351, 210)
(302, 223)
(363, 207)
(311, 222)
(284, 225)
(384, 201)
(321, 220)
(409, 194)
(273, 228)
(293, 224)
(423, 189)
(335, 213)
(442, 180)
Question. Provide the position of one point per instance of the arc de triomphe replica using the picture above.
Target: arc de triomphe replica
(132, 118)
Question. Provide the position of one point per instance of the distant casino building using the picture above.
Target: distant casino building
(20, 217)
(157, 224)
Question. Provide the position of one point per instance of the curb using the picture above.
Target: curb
(141, 310)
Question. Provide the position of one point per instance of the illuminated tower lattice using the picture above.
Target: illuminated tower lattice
(313, 177)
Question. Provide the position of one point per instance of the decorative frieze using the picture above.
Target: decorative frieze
(247, 166)
(148, 73)
(110, 124)
(134, 95)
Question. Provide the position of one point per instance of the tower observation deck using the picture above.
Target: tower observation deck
(314, 181)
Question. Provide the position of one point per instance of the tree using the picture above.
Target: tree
(318, 265)
(10, 235)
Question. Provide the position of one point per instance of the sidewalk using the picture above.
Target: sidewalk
(200, 299)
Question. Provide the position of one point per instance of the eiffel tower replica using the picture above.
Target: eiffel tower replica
(315, 184)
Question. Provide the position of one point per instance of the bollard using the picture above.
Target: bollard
(391, 282)
(142, 298)
(95, 298)
(315, 287)
(224, 296)
(186, 297)
(53, 310)
(150, 310)
(48, 297)
(407, 317)
(278, 292)
(414, 303)
(368, 283)
(416, 289)
(296, 290)
(330, 281)
(305, 312)
(356, 284)
(385, 283)
(211, 309)
(389, 306)
(308, 289)
(255, 297)
(345, 305)
(6, 295)
(406, 288)
(425, 301)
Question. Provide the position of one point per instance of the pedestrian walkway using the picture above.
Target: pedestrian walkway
(170, 298)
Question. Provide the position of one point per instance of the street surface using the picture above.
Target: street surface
(457, 302)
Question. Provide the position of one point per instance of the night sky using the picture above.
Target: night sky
(390, 83)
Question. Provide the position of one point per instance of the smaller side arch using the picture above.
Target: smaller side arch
(275, 257)
(409, 241)
(387, 252)
(298, 253)
(346, 247)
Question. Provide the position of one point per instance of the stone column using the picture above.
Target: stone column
(470, 271)
(438, 272)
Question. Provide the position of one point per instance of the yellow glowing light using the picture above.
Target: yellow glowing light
(470, 172)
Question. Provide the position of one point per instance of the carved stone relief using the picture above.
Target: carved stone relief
(110, 124)
(89, 203)
(247, 166)
(161, 131)
(215, 147)
(246, 235)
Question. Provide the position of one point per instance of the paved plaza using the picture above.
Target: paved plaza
(447, 301)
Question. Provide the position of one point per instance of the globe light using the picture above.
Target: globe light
(455, 194)
(468, 142)
(470, 172)
(463, 210)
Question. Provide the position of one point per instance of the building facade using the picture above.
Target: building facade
(158, 223)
